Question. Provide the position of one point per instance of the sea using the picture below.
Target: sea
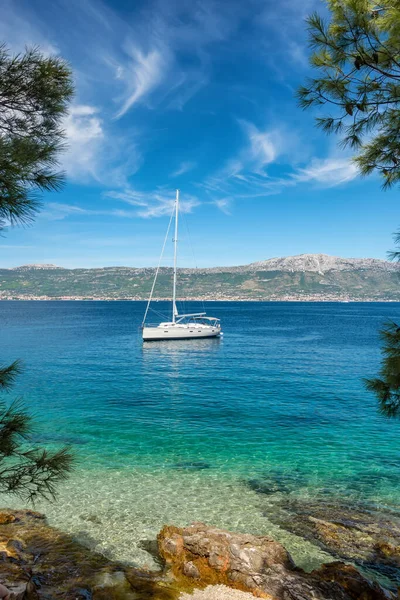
(214, 430)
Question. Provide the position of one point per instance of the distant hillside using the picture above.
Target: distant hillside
(303, 277)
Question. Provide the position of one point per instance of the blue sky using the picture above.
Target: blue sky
(195, 94)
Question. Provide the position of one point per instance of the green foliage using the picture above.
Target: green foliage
(357, 57)
(395, 254)
(8, 374)
(387, 386)
(25, 471)
(35, 91)
(34, 94)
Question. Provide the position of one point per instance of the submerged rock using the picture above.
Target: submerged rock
(203, 555)
(359, 534)
(91, 519)
(351, 580)
(195, 465)
(39, 562)
(277, 481)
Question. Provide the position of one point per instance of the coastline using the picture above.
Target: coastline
(189, 559)
(298, 298)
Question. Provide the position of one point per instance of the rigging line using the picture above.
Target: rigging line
(160, 314)
(158, 268)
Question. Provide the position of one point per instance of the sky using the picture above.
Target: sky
(196, 95)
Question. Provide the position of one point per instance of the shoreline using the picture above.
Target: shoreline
(309, 299)
(315, 530)
(190, 558)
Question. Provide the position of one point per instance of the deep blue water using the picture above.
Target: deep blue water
(280, 395)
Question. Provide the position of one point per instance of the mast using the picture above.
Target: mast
(175, 256)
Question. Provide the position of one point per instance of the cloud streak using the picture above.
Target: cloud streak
(224, 205)
(329, 171)
(262, 145)
(84, 131)
(246, 176)
(151, 204)
(58, 211)
(183, 168)
(141, 76)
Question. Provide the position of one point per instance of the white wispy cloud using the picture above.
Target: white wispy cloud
(260, 149)
(57, 211)
(165, 207)
(94, 153)
(129, 196)
(224, 205)
(247, 175)
(156, 203)
(84, 130)
(184, 167)
(188, 86)
(327, 171)
(262, 146)
(141, 75)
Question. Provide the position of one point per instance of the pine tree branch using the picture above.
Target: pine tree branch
(8, 374)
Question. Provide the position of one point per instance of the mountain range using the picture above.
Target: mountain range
(302, 277)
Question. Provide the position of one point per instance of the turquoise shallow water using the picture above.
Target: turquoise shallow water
(183, 431)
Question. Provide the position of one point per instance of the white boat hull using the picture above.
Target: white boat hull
(180, 332)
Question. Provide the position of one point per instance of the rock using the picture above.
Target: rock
(6, 518)
(80, 593)
(277, 481)
(257, 564)
(351, 580)
(22, 591)
(19, 581)
(191, 465)
(38, 562)
(190, 570)
(108, 579)
(387, 553)
(91, 518)
(151, 547)
(353, 533)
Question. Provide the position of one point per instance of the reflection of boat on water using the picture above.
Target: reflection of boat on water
(177, 349)
(181, 327)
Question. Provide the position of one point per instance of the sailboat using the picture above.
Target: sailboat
(185, 326)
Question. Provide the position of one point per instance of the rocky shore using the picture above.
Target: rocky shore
(358, 534)
(38, 562)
